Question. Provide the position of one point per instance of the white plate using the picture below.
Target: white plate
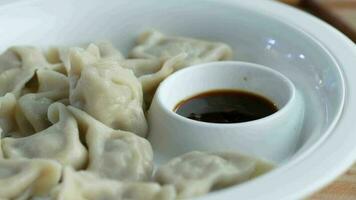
(315, 56)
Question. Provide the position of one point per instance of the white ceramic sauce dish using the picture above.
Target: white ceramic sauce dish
(318, 59)
(272, 138)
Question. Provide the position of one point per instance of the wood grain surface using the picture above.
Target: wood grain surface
(339, 13)
(343, 188)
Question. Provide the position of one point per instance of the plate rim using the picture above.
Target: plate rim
(313, 27)
(324, 34)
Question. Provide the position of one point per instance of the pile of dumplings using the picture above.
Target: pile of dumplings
(73, 124)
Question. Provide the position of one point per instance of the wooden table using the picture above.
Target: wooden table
(342, 15)
(344, 188)
(339, 13)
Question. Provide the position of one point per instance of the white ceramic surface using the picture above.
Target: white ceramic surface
(273, 138)
(317, 58)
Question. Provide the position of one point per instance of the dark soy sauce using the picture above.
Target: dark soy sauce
(225, 106)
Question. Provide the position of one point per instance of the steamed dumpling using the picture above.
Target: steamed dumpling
(31, 114)
(1, 154)
(49, 80)
(151, 72)
(108, 92)
(97, 50)
(150, 82)
(17, 67)
(22, 178)
(62, 55)
(108, 51)
(87, 186)
(141, 66)
(197, 173)
(175, 53)
(7, 113)
(115, 154)
(58, 142)
(153, 44)
(28, 114)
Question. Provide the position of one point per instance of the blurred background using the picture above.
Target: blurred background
(339, 13)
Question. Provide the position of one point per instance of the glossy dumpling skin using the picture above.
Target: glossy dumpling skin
(87, 186)
(115, 154)
(108, 92)
(59, 142)
(22, 178)
(197, 173)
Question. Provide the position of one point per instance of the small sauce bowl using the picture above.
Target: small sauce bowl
(272, 138)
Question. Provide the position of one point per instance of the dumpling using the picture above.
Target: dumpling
(17, 67)
(176, 53)
(49, 80)
(108, 92)
(87, 186)
(197, 173)
(59, 142)
(150, 82)
(31, 113)
(108, 51)
(1, 154)
(102, 50)
(59, 56)
(28, 114)
(63, 55)
(22, 178)
(151, 72)
(115, 154)
(97, 50)
(141, 66)
(7, 113)
(153, 44)
(9, 60)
